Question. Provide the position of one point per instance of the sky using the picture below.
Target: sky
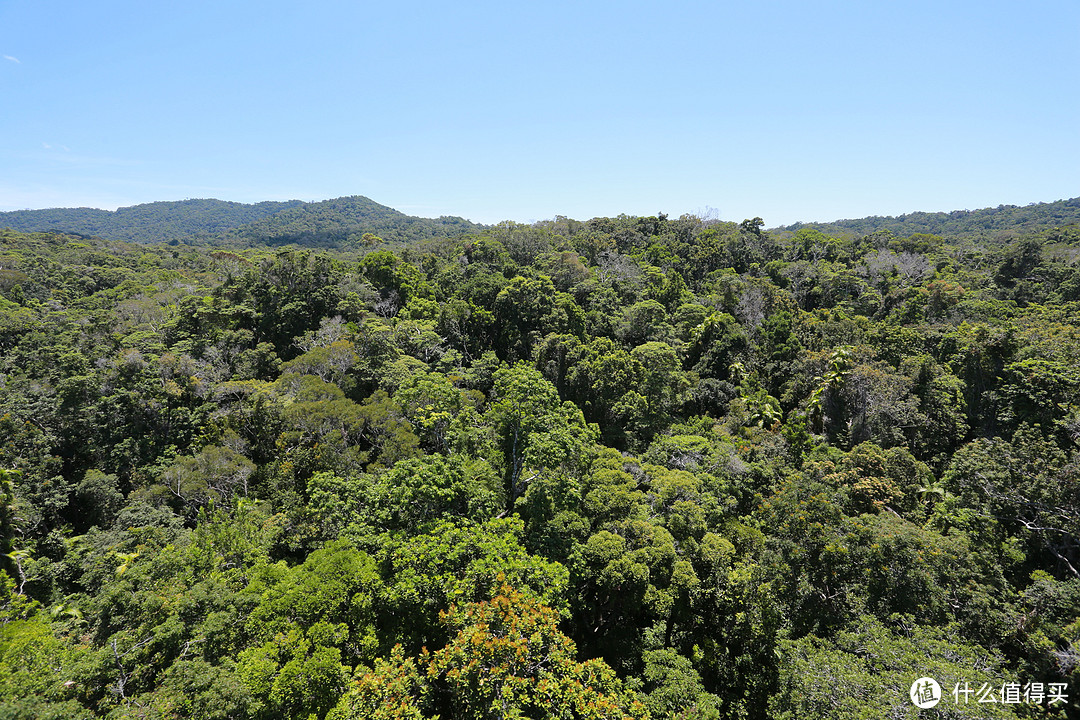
(789, 110)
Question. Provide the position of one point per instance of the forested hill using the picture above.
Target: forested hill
(330, 223)
(150, 222)
(344, 221)
(1001, 222)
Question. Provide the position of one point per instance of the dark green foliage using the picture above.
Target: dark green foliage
(309, 621)
(343, 222)
(867, 671)
(1004, 219)
(630, 467)
(153, 222)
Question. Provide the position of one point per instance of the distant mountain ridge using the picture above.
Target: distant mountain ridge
(149, 222)
(1001, 220)
(329, 223)
(344, 221)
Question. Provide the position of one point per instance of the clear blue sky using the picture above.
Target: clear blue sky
(788, 110)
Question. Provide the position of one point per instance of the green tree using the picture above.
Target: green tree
(506, 658)
(458, 563)
(311, 625)
(535, 430)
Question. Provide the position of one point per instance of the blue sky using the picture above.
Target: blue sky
(523, 111)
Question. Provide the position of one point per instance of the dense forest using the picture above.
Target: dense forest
(342, 222)
(149, 223)
(631, 467)
(1001, 222)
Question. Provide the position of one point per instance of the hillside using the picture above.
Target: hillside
(1001, 222)
(150, 222)
(344, 221)
(330, 223)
